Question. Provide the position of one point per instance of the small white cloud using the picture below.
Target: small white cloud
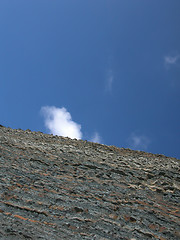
(138, 142)
(59, 122)
(96, 138)
(109, 81)
(170, 60)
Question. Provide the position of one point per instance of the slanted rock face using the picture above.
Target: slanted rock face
(58, 188)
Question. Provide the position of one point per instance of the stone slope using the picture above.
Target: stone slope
(58, 188)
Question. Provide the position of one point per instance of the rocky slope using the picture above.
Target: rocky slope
(58, 188)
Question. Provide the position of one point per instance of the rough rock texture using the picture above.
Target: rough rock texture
(58, 188)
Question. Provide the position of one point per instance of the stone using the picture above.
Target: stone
(60, 188)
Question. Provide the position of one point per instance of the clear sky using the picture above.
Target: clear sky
(101, 70)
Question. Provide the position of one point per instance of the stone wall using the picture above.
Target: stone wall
(57, 188)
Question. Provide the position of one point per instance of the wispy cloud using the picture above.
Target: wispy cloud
(138, 142)
(96, 138)
(59, 122)
(109, 81)
(171, 59)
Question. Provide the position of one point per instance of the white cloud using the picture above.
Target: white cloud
(109, 81)
(96, 138)
(138, 142)
(170, 60)
(59, 122)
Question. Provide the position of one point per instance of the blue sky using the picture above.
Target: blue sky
(102, 70)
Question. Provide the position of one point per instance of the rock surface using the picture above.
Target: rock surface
(58, 188)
